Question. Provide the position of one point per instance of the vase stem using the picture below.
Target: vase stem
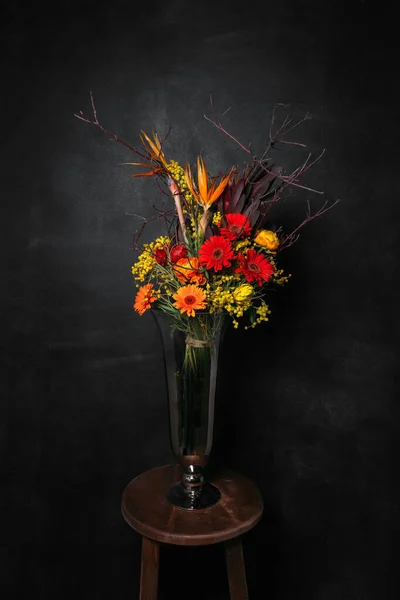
(192, 492)
(192, 481)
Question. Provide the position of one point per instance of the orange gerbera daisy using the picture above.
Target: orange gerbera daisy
(187, 269)
(216, 253)
(144, 298)
(237, 226)
(255, 267)
(189, 298)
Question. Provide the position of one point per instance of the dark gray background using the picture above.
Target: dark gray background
(307, 406)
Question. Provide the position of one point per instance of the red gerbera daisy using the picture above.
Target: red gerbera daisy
(237, 226)
(216, 253)
(255, 267)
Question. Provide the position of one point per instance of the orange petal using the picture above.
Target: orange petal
(148, 174)
(189, 181)
(157, 140)
(202, 180)
(149, 142)
(215, 193)
(153, 147)
(138, 164)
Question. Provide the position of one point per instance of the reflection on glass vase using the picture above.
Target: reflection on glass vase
(191, 367)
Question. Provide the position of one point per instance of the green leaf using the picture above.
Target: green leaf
(251, 314)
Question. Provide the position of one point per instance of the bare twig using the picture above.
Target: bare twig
(138, 233)
(173, 185)
(292, 237)
(274, 138)
(277, 134)
(111, 135)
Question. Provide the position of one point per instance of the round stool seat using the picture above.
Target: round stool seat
(147, 510)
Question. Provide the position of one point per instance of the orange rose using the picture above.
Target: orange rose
(187, 269)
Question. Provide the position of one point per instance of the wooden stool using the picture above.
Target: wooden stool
(146, 509)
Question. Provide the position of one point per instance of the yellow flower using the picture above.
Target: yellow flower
(243, 293)
(217, 218)
(267, 239)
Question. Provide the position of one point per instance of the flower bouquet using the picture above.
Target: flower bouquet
(214, 265)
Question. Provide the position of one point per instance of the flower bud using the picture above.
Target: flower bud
(178, 252)
(161, 256)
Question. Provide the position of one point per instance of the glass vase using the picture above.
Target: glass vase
(191, 367)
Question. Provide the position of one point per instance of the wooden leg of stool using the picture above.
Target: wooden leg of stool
(149, 569)
(236, 570)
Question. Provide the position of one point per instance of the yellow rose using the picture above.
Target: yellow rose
(267, 239)
(243, 293)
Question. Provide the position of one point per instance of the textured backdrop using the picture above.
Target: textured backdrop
(307, 405)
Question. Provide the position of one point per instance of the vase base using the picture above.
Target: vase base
(208, 496)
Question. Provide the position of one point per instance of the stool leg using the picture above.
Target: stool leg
(149, 569)
(236, 570)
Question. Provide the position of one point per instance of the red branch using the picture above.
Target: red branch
(111, 135)
(290, 239)
(139, 232)
(291, 179)
(287, 180)
(274, 137)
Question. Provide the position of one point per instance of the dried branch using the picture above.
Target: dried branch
(277, 134)
(138, 233)
(290, 179)
(95, 121)
(292, 237)
(109, 134)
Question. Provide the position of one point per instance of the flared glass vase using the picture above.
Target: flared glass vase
(191, 356)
